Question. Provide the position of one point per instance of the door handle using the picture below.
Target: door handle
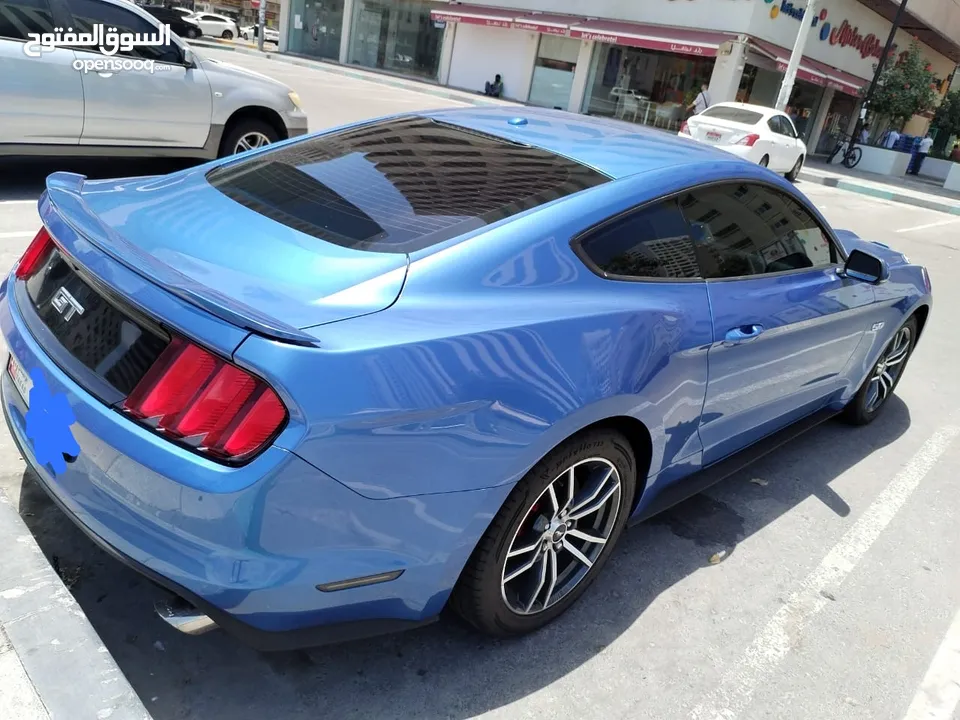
(742, 334)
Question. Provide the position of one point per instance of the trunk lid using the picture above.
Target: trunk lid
(186, 236)
(716, 132)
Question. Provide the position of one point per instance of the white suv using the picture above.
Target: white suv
(153, 100)
(216, 25)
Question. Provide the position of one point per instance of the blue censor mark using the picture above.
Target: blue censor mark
(48, 426)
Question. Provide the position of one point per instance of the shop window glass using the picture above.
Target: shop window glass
(553, 71)
(744, 229)
(644, 86)
(396, 36)
(315, 27)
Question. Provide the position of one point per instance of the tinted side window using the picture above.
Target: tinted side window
(19, 18)
(87, 13)
(743, 229)
(787, 125)
(653, 242)
(774, 124)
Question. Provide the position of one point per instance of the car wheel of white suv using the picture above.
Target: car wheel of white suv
(247, 134)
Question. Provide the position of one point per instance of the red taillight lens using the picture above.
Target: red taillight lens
(684, 129)
(192, 395)
(35, 254)
(748, 140)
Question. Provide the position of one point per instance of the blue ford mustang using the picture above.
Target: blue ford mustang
(331, 387)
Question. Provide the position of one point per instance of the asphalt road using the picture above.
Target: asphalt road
(838, 597)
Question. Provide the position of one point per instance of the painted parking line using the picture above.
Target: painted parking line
(929, 225)
(939, 693)
(18, 202)
(735, 691)
(18, 234)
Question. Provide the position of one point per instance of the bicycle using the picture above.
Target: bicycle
(851, 153)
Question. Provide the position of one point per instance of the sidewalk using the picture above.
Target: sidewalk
(53, 665)
(421, 86)
(910, 190)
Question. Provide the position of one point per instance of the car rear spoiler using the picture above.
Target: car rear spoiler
(64, 194)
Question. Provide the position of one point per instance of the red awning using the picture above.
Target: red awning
(496, 17)
(811, 70)
(782, 57)
(474, 15)
(704, 43)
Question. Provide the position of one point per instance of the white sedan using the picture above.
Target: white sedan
(270, 35)
(754, 132)
(216, 25)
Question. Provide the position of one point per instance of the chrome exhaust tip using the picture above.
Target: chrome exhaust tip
(183, 616)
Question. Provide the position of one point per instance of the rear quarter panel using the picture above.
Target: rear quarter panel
(498, 349)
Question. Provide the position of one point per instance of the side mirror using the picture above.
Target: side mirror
(189, 61)
(865, 267)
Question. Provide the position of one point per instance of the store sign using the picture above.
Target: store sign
(846, 35)
(648, 43)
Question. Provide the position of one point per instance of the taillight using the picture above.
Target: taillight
(35, 254)
(192, 396)
(684, 129)
(748, 140)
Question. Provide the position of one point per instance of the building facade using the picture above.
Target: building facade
(638, 60)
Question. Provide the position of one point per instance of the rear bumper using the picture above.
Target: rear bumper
(248, 546)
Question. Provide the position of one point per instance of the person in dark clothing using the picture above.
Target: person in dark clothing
(495, 88)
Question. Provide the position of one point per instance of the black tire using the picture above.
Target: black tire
(227, 35)
(478, 597)
(244, 127)
(851, 159)
(193, 34)
(795, 172)
(764, 161)
(860, 411)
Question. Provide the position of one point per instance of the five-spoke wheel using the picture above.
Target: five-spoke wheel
(876, 390)
(551, 537)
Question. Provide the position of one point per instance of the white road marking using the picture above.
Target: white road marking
(23, 234)
(939, 693)
(18, 202)
(938, 223)
(735, 690)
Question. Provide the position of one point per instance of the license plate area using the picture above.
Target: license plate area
(21, 381)
(713, 135)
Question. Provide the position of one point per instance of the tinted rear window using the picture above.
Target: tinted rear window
(747, 117)
(399, 185)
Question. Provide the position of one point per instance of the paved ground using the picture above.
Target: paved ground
(836, 600)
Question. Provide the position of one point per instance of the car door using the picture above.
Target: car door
(168, 107)
(213, 25)
(785, 323)
(647, 259)
(778, 152)
(41, 98)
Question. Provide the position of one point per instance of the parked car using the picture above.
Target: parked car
(754, 132)
(216, 25)
(195, 107)
(178, 22)
(269, 34)
(330, 387)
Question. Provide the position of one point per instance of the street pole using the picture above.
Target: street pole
(876, 75)
(790, 76)
(261, 21)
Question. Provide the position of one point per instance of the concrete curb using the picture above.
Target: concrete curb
(52, 662)
(853, 186)
(336, 69)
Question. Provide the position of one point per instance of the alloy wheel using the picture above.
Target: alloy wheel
(251, 141)
(561, 536)
(888, 369)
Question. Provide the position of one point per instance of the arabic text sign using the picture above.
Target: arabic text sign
(106, 39)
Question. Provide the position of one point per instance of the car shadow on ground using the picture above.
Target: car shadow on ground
(24, 178)
(444, 670)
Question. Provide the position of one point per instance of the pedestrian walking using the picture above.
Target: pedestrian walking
(701, 102)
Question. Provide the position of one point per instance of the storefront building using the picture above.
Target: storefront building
(643, 62)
